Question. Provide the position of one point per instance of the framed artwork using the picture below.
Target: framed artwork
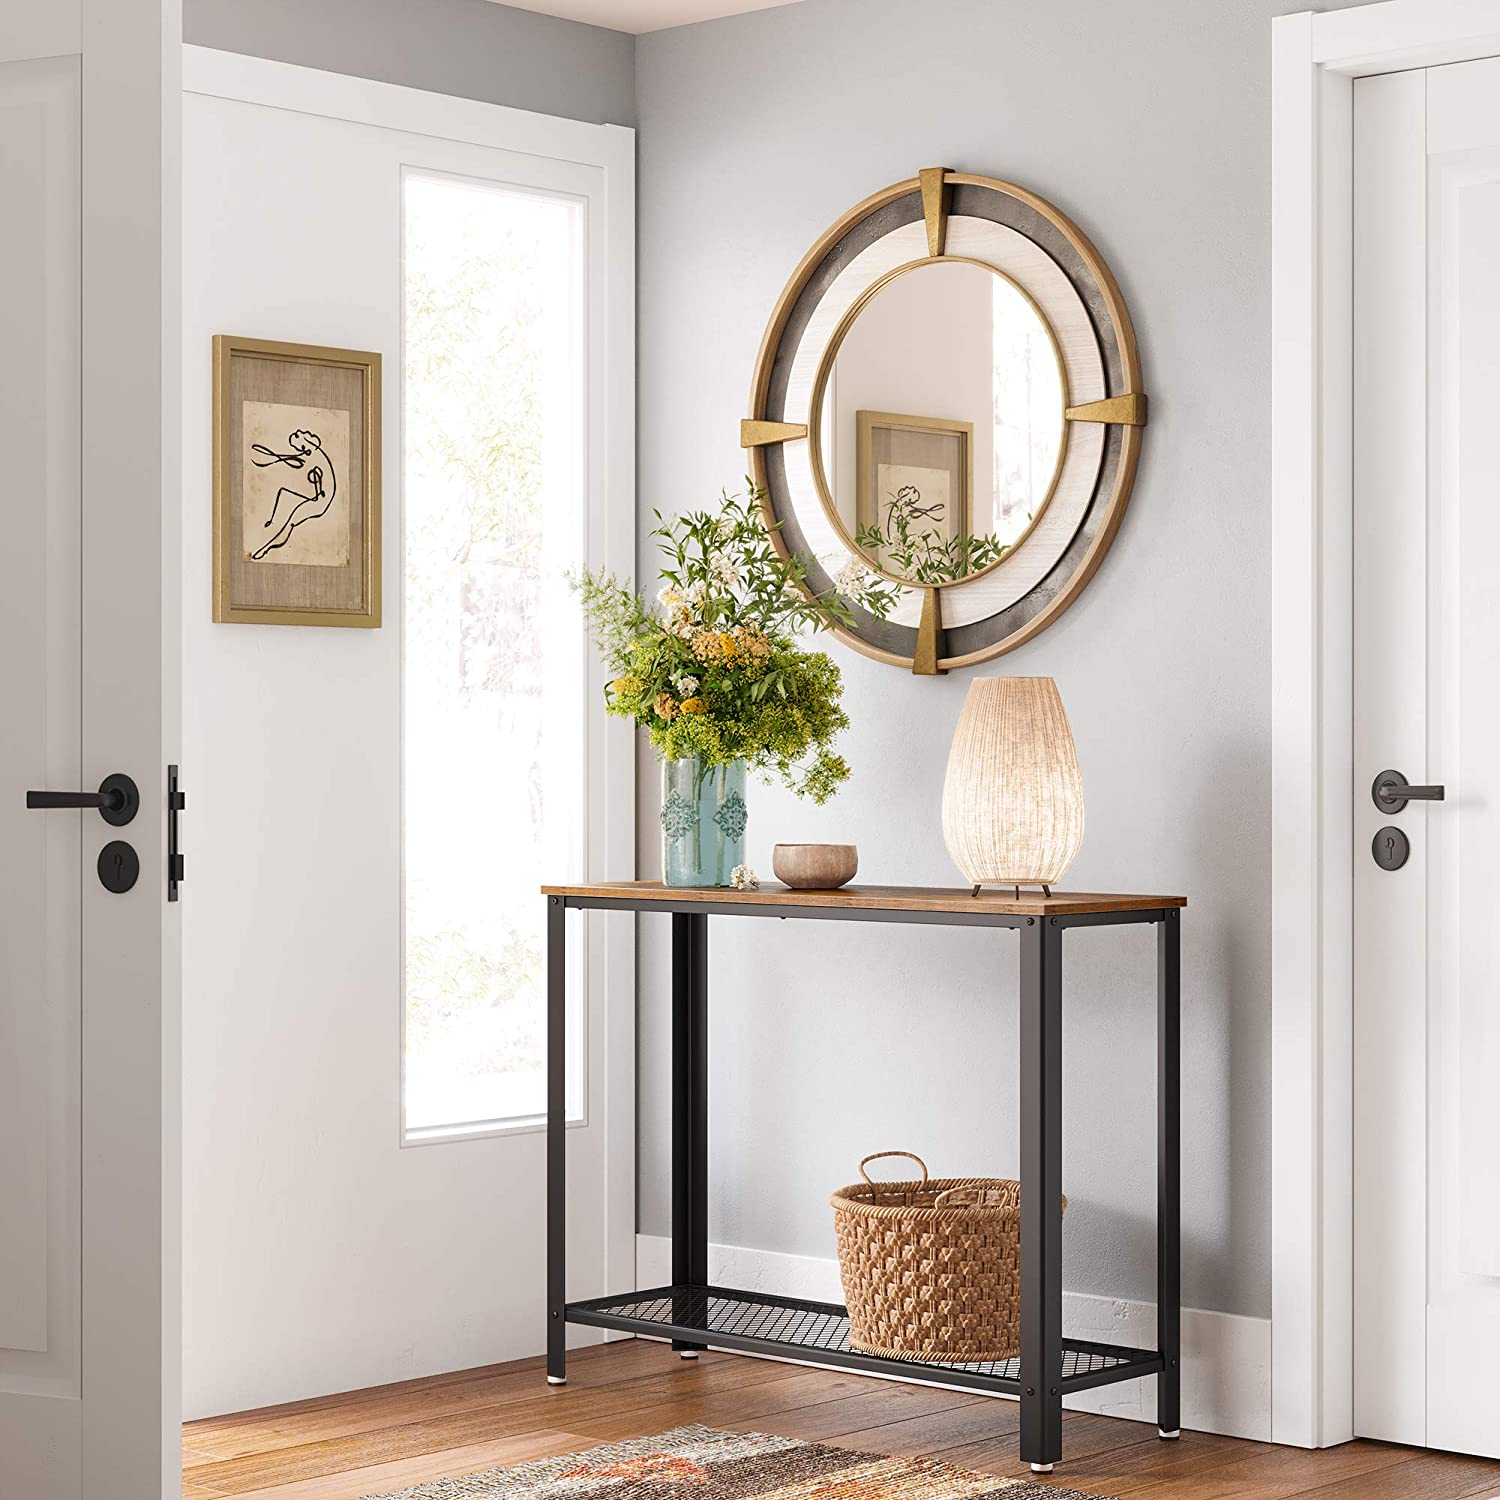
(913, 475)
(296, 484)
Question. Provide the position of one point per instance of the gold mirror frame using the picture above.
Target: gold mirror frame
(1122, 408)
(820, 391)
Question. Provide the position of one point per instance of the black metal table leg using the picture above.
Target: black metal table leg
(557, 1141)
(689, 1110)
(1041, 1193)
(1168, 1174)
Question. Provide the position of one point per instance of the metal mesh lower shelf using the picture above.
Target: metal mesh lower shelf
(814, 1329)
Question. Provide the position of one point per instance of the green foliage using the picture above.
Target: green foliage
(712, 669)
(910, 545)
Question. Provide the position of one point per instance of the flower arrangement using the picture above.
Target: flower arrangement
(712, 670)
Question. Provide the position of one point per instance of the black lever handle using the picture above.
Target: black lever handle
(1391, 792)
(112, 800)
(117, 800)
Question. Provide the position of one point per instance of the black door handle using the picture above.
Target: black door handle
(117, 800)
(1391, 792)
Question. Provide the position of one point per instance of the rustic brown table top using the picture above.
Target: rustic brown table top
(996, 901)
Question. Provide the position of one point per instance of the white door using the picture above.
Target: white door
(1427, 704)
(89, 1339)
(377, 807)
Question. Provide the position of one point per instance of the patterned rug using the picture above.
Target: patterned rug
(699, 1463)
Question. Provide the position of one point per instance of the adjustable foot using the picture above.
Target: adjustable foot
(1041, 1468)
(557, 1380)
(687, 1354)
(1176, 1432)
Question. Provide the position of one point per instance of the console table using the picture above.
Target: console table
(696, 1315)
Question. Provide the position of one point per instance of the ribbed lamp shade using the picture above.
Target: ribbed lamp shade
(1013, 796)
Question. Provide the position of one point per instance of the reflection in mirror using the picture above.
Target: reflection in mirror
(942, 422)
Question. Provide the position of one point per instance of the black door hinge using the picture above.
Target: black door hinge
(176, 801)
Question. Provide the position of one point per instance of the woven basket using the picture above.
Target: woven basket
(931, 1269)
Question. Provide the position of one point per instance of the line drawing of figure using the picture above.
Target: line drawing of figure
(908, 500)
(305, 448)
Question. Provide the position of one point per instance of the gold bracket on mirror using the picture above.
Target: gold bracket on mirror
(934, 207)
(1128, 410)
(930, 647)
(757, 434)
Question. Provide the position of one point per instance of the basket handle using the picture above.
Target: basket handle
(876, 1156)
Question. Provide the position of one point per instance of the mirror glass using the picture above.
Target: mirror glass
(941, 425)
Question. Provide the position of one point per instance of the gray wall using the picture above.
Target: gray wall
(472, 48)
(1149, 124)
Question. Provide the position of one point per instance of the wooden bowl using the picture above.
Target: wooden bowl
(815, 867)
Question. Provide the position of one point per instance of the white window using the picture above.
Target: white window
(495, 666)
(1027, 396)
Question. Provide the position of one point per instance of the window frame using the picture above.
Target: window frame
(604, 950)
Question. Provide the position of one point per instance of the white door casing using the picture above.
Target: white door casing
(89, 1335)
(1315, 60)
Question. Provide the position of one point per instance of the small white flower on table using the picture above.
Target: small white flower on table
(743, 878)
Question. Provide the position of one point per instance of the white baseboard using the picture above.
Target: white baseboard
(1226, 1359)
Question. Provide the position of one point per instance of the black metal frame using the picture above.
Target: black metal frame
(695, 1315)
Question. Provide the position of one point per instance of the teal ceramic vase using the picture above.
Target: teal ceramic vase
(703, 821)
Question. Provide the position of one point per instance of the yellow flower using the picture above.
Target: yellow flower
(693, 706)
(731, 647)
(752, 645)
(708, 645)
(666, 707)
(625, 685)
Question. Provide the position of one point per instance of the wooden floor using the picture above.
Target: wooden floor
(341, 1447)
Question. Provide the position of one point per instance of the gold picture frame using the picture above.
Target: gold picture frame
(297, 450)
(881, 459)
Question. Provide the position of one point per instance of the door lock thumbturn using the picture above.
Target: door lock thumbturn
(119, 867)
(1391, 848)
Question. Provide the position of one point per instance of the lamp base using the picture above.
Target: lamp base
(1046, 889)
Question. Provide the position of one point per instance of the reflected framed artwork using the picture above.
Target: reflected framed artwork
(296, 484)
(914, 486)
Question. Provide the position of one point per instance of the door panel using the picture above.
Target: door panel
(40, 289)
(89, 1340)
(1464, 738)
(1390, 674)
(1427, 634)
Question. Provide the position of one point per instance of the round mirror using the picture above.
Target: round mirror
(938, 428)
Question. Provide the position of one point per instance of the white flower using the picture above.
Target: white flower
(743, 878)
(852, 578)
(697, 592)
(723, 571)
(669, 598)
(680, 621)
(686, 686)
